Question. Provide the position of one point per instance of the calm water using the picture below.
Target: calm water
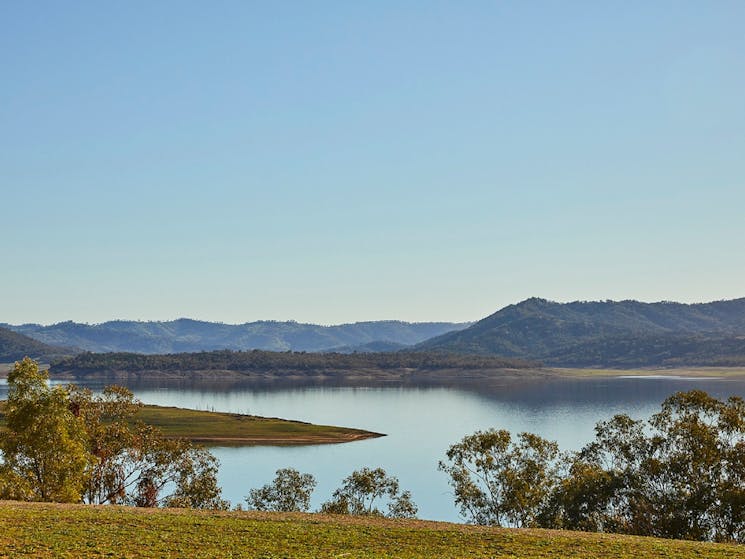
(420, 424)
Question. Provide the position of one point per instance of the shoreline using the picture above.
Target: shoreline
(384, 377)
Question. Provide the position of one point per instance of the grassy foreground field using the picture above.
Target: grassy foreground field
(232, 429)
(45, 530)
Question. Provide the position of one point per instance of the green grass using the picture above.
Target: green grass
(36, 530)
(231, 428)
(221, 429)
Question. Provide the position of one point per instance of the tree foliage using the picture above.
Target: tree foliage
(66, 444)
(289, 492)
(679, 475)
(500, 482)
(44, 455)
(362, 492)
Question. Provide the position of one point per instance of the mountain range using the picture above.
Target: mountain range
(186, 335)
(619, 334)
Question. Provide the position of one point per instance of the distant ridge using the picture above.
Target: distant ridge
(606, 333)
(187, 335)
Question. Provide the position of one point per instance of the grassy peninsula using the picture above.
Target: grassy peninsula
(232, 429)
(50, 530)
(220, 429)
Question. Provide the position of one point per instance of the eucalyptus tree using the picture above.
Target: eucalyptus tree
(289, 492)
(362, 492)
(498, 481)
(44, 446)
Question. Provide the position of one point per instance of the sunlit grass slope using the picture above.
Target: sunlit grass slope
(230, 428)
(36, 530)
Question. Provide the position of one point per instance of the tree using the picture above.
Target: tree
(134, 463)
(498, 482)
(604, 488)
(363, 488)
(194, 473)
(289, 492)
(44, 447)
(118, 445)
(697, 487)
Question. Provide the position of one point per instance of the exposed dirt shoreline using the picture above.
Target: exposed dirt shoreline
(405, 376)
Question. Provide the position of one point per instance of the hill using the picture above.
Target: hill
(48, 530)
(14, 346)
(186, 335)
(607, 333)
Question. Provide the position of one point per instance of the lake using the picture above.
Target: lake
(420, 423)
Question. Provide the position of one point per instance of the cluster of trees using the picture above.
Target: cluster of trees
(679, 475)
(363, 492)
(64, 444)
(269, 361)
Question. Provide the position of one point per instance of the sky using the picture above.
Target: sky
(333, 162)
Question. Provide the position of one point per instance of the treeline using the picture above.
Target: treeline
(267, 361)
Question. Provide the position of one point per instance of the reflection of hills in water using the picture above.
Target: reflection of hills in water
(624, 391)
(533, 393)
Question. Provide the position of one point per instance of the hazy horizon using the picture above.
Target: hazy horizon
(339, 162)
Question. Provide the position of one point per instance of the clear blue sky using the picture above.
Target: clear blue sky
(340, 161)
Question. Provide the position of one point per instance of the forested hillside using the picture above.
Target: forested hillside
(617, 334)
(186, 335)
(14, 346)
